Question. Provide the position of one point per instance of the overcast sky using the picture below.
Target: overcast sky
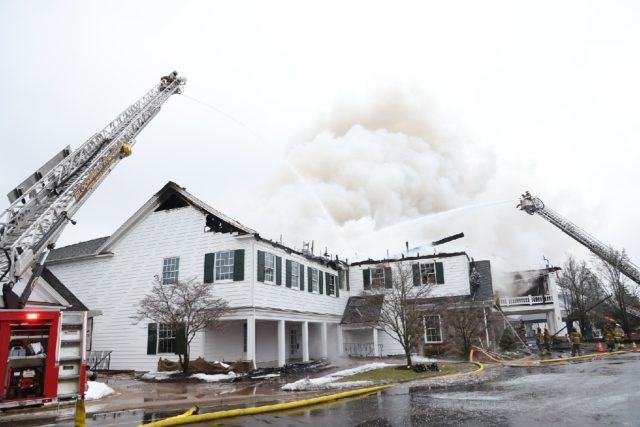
(389, 112)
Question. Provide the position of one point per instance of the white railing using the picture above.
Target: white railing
(361, 349)
(528, 300)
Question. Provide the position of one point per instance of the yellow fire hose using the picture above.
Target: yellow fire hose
(188, 417)
(544, 361)
(81, 414)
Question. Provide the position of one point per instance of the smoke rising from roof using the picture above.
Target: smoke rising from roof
(387, 173)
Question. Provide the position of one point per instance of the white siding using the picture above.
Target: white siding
(283, 298)
(267, 341)
(115, 284)
(226, 344)
(390, 346)
(455, 269)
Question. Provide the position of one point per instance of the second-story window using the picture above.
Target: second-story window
(269, 268)
(170, 268)
(428, 273)
(377, 277)
(295, 275)
(224, 265)
(314, 280)
(331, 284)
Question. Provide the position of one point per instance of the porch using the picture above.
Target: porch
(271, 342)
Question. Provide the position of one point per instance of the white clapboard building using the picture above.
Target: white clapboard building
(286, 305)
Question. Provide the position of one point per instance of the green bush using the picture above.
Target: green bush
(507, 340)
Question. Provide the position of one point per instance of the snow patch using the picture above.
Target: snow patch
(265, 376)
(97, 390)
(159, 375)
(330, 381)
(214, 378)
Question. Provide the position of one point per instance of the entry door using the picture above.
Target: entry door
(295, 337)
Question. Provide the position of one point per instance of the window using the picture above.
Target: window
(432, 332)
(377, 277)
(331, 284)
(314, 280)
(224, 265)
(428, 273)
(269, 267)
(170, 268)
(295, 275)
(166, 338)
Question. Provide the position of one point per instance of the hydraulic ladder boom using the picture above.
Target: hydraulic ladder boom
(533, 205)
(43, 204)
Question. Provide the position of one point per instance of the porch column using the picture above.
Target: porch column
(376, 351)
(281, 343)
(251, 339)
(551, 321)
(305, 341)
(323, 340)
(340, 341)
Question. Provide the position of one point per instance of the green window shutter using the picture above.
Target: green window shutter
(181, 340)
(301, 277)
(439, 273)
(388, 280)
(327, 277)
(320, 284)
(209, 265)
(347, 275)
(152, 338)
(260, 266)
(309, 279)
(278, 271)
(417, 281)
(238, 265)
(366, 278)
(338, 284)
(287, 276)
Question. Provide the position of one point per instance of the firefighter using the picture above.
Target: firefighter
(618, 335)
(609, 338)
(547, 340)
(540, 341)
(575, 338)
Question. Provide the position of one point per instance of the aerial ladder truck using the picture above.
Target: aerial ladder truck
(42, 351)
(533, 205)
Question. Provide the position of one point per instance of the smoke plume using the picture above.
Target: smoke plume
(373, 175)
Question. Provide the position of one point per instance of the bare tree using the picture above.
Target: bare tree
(401, 314)
(583, 290)
(615, 283)
(465, 323)
(186, 306)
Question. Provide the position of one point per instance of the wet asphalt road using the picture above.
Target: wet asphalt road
(602, 392)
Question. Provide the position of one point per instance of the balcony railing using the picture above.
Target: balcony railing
(357, 349)
(528, 300)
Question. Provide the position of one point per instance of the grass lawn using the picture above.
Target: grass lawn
(401, 373)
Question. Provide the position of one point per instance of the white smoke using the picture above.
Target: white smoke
(386, 174)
